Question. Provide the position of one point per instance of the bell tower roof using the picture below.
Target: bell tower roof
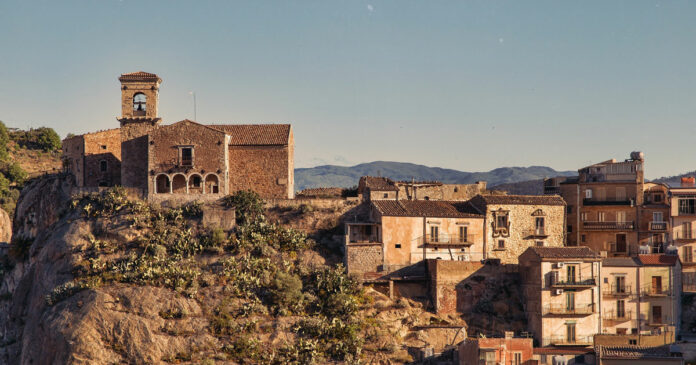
(140, 76)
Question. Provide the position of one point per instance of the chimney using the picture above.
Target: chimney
(509, 335)
(688, 182)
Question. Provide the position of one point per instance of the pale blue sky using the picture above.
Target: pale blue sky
(469, 85)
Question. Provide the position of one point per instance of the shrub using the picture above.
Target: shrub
(4, 139)
(350, 192)
(15, 173)
(20, 248)
(285, 291)
(248, 205)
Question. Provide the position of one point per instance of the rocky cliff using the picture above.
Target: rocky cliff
(103, 279)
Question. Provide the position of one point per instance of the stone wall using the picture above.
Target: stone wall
(134, 152)
(264, 169)
(73, 157)
(130, 88)
(102, 146)
(522, 224)
(363, 258)
(444, 277)
(441, 191)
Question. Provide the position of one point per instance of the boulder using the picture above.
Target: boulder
(5, 227)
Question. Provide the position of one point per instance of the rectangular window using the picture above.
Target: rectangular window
(540, 243)
(570, 301)
(463, 234)
(687, 206)
(103, 146)
(588, 194)
(656, 285)
(386, 195)
(103, 166)
(620, 286)
(687, 254)
(398, 245)
(569, 209)
(686, 230)
(621, 216)
(570, 332)
(583, 238)
(657, 216)
(570, 228)
(517, 358)
(601, 216)
(501, 244)
(583, 216)
(632, 342)
(620, 309)
(570, 277)
(657, 198)
(186, 156)
(620, 194)
(434, 234)
(501, 221)
(657, 314)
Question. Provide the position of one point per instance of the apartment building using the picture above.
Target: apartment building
(683, 222)
(611, 208)
(641, 295)
(515, 222)
(561, 294)
(492, 351)
(400, 233)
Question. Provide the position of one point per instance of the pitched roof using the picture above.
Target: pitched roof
(520, 199)
(256, 134)
(635, 352)
(564, 252)
(139, 76)
(378, 183)
(621, 262)
(658, 259)
(565, 350)
(424, 208)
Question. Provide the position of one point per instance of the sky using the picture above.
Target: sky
(468, 85)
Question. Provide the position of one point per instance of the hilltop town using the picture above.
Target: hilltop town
(599, 269)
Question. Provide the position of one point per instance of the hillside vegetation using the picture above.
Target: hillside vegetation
(25, 154)
(113, 280)
(343, 176)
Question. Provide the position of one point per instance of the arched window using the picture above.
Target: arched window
(162, 184)
(211, 184)
(139, 104)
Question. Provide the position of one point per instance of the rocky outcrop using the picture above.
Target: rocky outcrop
(5, 227)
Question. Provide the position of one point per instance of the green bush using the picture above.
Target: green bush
(4, 139)
(285, 292)
(248, 205)
(15, 173)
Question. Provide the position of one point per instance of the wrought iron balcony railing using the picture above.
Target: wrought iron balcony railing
(537, 232)
(567, 341)
(573, 282)
(658, 226)
(449, 240)
(608, 226)
(618, 291)
(618, 316)
(656, 291)
(566, 310)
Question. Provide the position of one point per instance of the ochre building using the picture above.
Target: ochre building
(181, 159)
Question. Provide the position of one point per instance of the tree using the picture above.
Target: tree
(48, 139)
(4, 139)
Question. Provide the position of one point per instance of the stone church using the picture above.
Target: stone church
(184, 158)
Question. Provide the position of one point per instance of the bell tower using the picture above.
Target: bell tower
(139, 99)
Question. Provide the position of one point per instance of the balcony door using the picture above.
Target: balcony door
(620, 309)
(656, 285)
(657, 314)
(434, 234)
(620, 284)
(621, 242)
(570, 274)
(570, 301)
(570, 332)
(686, 230)
(539, 225)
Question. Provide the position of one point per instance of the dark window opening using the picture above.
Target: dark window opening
(398, 245)
(187, 156)
(196, 181)
(501, 244)
(386, 195)
(569, 209)
(570, 228)
(103, 146)
(103, 166)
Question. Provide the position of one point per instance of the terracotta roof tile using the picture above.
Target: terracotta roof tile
(377, 183)
(564, 252)
(521, 199)
(621, 262)
(423, 208)
(563, 350)
(635, 352)
(658, 259)
(256, 134)
(139, 76)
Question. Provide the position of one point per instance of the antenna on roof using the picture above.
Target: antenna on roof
(195, 118)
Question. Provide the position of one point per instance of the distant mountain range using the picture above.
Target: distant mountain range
(347, 176)
(674, 181)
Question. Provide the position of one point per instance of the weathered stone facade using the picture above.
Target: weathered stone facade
(185, 158)
(362, 258)
(514, 223)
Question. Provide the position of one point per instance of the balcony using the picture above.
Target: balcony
(656, 292)
(444, 241)
(566, 310)
(660, 321)
(617, 316)
(607, 226)
(566, 341)
(362, 233)
(615, 249)
(595, 201)
(683, 235)
(574, 282)
(658, 226)
(539, 232)
(618, 292)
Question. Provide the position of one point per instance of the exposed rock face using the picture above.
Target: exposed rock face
(5, 227)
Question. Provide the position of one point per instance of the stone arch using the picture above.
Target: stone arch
(212, 184)
(195, 184)
(538, 213)
(179, 184)
(162, 184)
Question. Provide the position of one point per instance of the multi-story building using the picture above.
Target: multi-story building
(683, 221)
(639, 355)
(611, 208)
(400, 233)
(641, 295)
(382, 188)
(515, 222)
(561, 293)
(492, 351)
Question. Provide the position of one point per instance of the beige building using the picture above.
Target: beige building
(400, 233)
(641, 295)
(514, 223)
(683, 222)
(561, 293)
(507, 350)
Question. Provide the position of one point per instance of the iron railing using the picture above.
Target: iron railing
(681, 234)
(570, 282)
(567, 341)
(444, 240)
(658, 226)
(618, 291)
(660, 291)
(569, 310)
(617, 316)
(537, 232)
(607, 226)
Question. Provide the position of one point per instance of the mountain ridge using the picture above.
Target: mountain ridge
(346, 176)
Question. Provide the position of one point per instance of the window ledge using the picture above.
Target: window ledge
(498, 249)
